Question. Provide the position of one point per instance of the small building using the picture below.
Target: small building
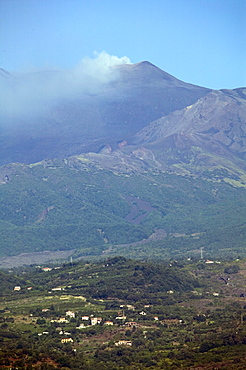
(128, 306)
(132, 324)
(108, 323)
(70, 314)
(17, 288)
(95, 320)
(61, 320)
(81, 326)
(123, 343)
(46, 269)
(67, 340)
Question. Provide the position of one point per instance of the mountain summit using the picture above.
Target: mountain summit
(86, 120)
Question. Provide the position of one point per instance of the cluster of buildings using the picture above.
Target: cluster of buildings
(89, 320)
(18, 288)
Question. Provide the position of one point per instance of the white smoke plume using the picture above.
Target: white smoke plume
(28, 94)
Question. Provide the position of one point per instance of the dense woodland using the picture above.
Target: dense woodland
(124, 314)
(64, 205)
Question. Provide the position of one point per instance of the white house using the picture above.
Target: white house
(70, 314)
(95, 320)
(123, 343)
(67, 340)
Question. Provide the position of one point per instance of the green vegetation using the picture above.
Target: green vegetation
(74, 204)
(124, 314)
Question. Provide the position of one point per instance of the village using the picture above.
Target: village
(97, 311)
(78, 322)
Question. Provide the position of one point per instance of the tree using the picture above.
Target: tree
(232, 269)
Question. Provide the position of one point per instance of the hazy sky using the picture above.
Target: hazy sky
(198, 41)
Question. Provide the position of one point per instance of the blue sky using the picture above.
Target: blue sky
(198, 41)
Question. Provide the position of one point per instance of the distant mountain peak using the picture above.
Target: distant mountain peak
(141, 94)
(145, 64)
(145, 72)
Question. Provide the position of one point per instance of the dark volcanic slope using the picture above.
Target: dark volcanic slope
(215, 123)
(142, 93)
(145, 91)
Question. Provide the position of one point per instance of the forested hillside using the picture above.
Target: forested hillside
(76, 204)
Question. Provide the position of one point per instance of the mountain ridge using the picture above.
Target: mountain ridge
(137, 96)
(146, 157)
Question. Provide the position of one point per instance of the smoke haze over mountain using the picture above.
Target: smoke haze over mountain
(31, 93)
